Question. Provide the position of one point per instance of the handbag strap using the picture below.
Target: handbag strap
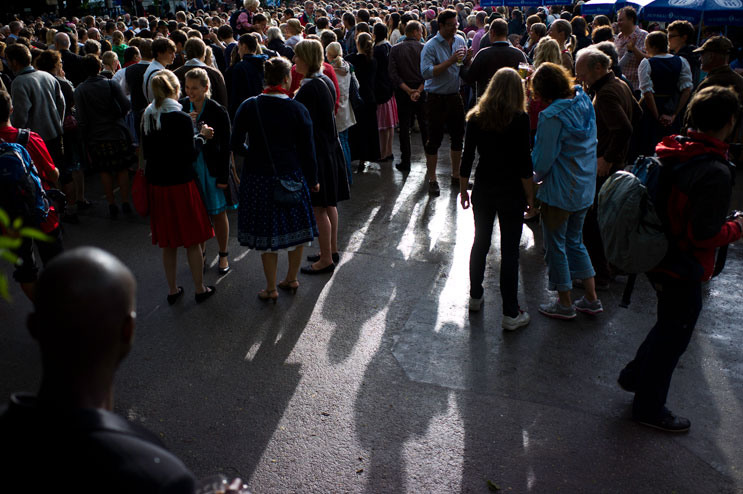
(263, 132)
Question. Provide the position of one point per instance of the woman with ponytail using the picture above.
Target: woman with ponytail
(562, 32)
(364, 136)
(178, 217)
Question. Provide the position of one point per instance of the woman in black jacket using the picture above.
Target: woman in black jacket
(386, 105)
(364, 136)
(317, 94)
(177, 214)
(101, 107)
(498, 129)
(212, 165)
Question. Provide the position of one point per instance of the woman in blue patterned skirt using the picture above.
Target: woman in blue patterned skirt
(280, 145)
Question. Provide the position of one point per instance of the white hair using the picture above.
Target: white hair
(274, 33)
(594, 58)
(251, 3)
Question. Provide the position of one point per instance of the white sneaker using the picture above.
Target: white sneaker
(513, 323)
(476, 303)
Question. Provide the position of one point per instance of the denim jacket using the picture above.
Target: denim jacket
(564, 154)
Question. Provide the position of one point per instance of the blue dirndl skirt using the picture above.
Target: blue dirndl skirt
(262, 225)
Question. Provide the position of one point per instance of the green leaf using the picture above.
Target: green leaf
(10, 243)
(4, 218)
(35, 234)
(9, 256)
(493, 487)
(4, 288)
(17, 223)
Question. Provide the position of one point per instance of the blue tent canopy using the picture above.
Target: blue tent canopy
(713, 12)
(607, 7)
(511, 3)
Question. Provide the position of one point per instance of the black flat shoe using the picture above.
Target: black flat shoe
(310, 270)
(335, 256)
(403, 167)
(200, 297)
(174, 297)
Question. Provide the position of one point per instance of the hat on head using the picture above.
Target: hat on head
(716, 44)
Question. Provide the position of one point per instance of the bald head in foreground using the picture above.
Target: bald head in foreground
(67, 436)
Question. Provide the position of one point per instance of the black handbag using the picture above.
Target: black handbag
(354, 96)
(287, 192)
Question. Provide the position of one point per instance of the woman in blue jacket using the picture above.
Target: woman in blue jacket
(564, 158)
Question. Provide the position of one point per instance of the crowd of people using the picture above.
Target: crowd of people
(263, 110)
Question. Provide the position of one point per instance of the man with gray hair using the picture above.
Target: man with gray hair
(617, 114)
(71, 62)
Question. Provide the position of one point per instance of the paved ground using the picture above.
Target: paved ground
(378, 380)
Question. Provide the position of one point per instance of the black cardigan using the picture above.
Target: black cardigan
(216, 149)
(170, 151)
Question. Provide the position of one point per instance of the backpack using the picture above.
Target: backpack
(633, 234)
(21, 193)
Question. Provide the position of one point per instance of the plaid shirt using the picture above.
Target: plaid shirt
(628, 61)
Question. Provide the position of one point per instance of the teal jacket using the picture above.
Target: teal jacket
(564, 154)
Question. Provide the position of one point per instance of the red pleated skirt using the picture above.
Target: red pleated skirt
(177, 216)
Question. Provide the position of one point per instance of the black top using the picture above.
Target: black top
(382, 82)
(488, 61)
(244, 80)
(169, 152)
(505, 157)
(101, 107)
(134, 76)
(72, 66)
(216, 149)
(366, 72)
(85, 451)
(288, 130)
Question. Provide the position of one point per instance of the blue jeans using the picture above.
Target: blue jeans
(343, 136)
(566, 256)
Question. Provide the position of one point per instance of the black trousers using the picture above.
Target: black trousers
(406, 110)
(28, 271)
(679, 305)
(488, 203)
(592, 236)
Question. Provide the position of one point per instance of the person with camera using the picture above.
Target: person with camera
(693, 207)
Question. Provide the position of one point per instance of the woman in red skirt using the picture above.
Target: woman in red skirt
(178, 217)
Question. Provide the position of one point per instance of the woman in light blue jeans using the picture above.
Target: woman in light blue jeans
(564, 159)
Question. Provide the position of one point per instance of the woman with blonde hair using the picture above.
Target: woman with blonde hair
(110, 63)
(498, 129)
(178, 217)
(562, 32)
(294, 30)
(317, 94)
(212, 165)
(344, 116)
(547, 50)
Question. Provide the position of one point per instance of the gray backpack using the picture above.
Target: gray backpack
(631, 230)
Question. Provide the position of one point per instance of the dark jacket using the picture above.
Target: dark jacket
(244, 80)
(217, 149)
(72, 66)
(101, 108)
(687, 52)
(280, 47)
(488, 61)
(169, 152)
(382, 83)
(617, 114)
(287, 128)
(91, 449)
(697, 206)
(216, 81)
(505, 157)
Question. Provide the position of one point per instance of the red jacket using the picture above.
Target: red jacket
(698, 204)
(44, 165)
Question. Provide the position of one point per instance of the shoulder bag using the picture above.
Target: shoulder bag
(287, 192)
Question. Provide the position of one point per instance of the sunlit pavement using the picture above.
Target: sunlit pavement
(377, 379)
